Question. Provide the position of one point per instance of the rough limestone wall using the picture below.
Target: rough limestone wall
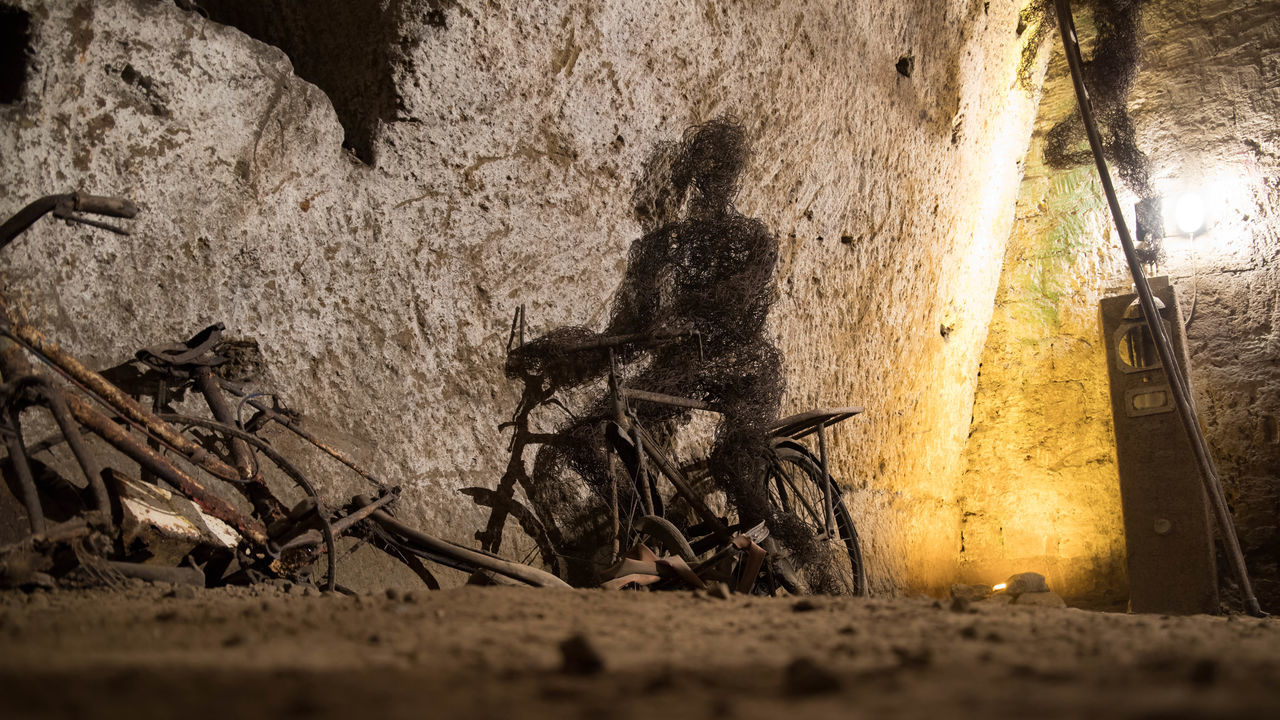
(1040, 491)
(347, 49)
(1207, 108)
(382, 294)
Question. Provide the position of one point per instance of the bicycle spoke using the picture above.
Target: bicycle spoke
(797, 486)
(796, 492)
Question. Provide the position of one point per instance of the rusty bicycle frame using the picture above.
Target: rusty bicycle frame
(89, 403)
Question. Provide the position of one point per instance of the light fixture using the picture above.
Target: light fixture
(1189, 213)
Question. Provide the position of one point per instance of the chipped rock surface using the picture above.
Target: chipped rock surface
(501, 173)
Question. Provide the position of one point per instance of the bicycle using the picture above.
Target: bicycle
(195, 457)
(694, 543)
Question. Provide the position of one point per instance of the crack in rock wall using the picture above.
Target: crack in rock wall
(382, 293)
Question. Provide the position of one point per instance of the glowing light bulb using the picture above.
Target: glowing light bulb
(1189, 213)
(998, 587)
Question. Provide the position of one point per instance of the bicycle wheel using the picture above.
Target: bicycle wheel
(796, 486)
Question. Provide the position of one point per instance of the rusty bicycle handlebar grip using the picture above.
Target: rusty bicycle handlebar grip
(60, 205)
(103, 205)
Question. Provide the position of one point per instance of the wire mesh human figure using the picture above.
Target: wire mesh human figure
(711, 272)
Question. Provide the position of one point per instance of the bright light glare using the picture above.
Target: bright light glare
(998, 587)
(1189, 213)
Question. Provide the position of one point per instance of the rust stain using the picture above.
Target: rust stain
(81, 33)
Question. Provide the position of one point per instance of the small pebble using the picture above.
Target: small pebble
(1027, 582)
(1041, 599)
(182, 592)
(913, 657)
(1204, 672)
(805, 605)
(393, 594)
(972, 593)
(580, 657)
(805, 677)
(664, 679)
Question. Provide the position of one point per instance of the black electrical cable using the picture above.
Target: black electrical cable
(1177, 379)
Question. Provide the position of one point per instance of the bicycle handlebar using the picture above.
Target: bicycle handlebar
(103, 205)
(64, 207)
(656, 337)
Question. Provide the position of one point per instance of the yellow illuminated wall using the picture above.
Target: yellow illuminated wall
(1040, 491)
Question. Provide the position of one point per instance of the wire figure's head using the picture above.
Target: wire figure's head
(711, 158)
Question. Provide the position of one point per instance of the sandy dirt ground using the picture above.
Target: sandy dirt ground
(154, 651)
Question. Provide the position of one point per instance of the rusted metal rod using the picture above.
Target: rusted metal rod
(208, 386)
(57, 402)
(829, 513)
(612, 341)
(1177, 379)
(76, 527)
(14, 370)
(118, 437)
(663, 399)
(303, 433)
(342, 524)
(35, 341)
(26, 481)
(524, 573)
(159, 573)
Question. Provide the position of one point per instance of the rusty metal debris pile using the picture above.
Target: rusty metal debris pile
(167, 495)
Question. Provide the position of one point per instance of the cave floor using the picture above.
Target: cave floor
(149, 651)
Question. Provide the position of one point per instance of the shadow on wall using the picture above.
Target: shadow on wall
(15, 36)
(350, 50)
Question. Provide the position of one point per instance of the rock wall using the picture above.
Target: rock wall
(887, 141)
(1041, 490)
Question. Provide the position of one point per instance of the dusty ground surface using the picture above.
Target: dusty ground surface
(496, 652)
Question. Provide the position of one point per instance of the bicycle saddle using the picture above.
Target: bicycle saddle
(196, 352)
